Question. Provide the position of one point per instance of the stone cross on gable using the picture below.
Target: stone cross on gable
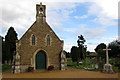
(107, 57)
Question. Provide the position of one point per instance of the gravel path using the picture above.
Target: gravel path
(71, 73)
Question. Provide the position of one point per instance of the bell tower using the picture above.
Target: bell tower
(40, 13)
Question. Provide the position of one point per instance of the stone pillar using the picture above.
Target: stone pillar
(63, 61)
(16, 60)
(16, 63)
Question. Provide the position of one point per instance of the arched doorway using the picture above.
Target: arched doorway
(41, 60)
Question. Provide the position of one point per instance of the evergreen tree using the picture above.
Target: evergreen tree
(114, 53)
(101, 55)
(115, 49)
(3, 52)
(74, 54)
(82, 48)
(10, 44)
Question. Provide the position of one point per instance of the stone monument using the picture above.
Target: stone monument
(107, 66)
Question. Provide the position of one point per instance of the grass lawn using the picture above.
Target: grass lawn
(6, 67)
(73, 65)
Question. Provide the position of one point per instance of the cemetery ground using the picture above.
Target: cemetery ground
(72, 71)
(87, 64)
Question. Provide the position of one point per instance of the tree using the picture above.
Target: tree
(115, 49)
(82, 48)
(10, 44)
(68, 55)
(74, 53)
(101, 55)
(78, 53)
(99, 50)
(3, 52)
(114, 53)
(81, 40)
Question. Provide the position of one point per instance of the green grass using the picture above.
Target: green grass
(73, 65)
(70, 63)
(6, 67)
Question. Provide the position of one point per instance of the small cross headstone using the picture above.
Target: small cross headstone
(107, 66)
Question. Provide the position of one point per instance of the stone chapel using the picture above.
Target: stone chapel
(39, 47)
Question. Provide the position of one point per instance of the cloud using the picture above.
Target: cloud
(57, 13)
(92, 33)
(90, 43)
(109, 8)
(104, 21)
(68, 47)
(94, 10)
(82, 25)
(108, 39)
(91, 47)
(81, 17)
(16, 14)
(101, 15)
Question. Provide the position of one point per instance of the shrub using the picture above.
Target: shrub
(50, 67)
(30, 69)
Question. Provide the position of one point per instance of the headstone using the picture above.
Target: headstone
(107, 66)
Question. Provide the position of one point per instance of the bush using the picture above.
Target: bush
(30, 69)
(50, 67)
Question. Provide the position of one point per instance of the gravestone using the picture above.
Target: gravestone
(107, 66)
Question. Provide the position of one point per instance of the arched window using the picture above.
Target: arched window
(33, 39)
(48, 40)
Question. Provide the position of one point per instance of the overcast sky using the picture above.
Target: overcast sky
(96, 20)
